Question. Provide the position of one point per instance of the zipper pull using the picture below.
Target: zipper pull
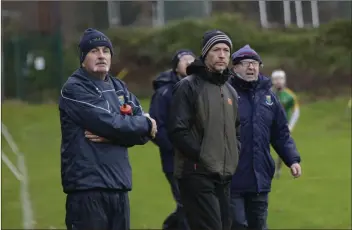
(222, 94)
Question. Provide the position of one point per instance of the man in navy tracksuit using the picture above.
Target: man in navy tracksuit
(100, 119)
(263, 122)
(159, 110)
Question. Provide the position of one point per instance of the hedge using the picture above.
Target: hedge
(159, 44)
(308, 55)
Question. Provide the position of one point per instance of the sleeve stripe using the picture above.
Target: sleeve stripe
(86, 103)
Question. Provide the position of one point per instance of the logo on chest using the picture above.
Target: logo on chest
(268, 100)
(121, 99)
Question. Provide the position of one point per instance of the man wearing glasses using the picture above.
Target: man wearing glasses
(263, 122)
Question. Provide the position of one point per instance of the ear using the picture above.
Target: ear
(83, 64)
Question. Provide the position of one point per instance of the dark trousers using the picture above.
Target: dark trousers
(249, 211)
(97, 210)
(177, 219)
(206, 202)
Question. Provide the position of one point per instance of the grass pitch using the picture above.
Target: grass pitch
(321, 198)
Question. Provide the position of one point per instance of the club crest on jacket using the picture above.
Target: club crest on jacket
(121, 100)
(268, 100)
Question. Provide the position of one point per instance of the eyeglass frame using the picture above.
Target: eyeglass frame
(246, 64)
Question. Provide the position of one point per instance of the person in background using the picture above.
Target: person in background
(290, 103)
(203, 128)
(159, 110)
(263, 122)
(99, 119)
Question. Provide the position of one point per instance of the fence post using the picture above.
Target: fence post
(59, 66)
(58, 46)
(287, 12)
(207, 7)
(3, 77)
(299, 14)
(263, 14)
(17, 66)
(315, 13)
(159, 17)
(114, 16)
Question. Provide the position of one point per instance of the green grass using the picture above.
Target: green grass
(321, 198)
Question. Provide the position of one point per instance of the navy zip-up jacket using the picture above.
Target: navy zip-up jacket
(159, 110)
(263, 122)
(87, 103)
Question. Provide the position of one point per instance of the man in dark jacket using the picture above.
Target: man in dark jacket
(100, 119)
(203, 127)
(263, 122)
(159, 110)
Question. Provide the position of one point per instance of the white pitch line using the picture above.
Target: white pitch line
(21, 174)
(11, 166)
(9, 140)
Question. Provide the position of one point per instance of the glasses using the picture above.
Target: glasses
(247, 63)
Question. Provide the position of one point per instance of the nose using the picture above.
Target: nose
(100, 53)
(222, 54)
(250, 65)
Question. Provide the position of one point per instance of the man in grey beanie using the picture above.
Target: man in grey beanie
(203, 127)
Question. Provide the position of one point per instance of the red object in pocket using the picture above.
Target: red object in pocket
(126, 109)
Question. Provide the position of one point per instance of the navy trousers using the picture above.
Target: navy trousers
(249, 211)
(97, 210)
(176, 220)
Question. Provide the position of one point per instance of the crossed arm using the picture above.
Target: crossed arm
(94, 114)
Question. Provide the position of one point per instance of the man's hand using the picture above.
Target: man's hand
(154, 127)
(296, 170)
(95, 138)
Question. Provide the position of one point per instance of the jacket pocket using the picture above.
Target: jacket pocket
(198, 141)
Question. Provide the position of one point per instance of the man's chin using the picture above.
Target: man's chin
(101, 69)
(250, 78)
(220, 69)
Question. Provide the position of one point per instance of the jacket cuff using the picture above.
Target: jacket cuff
(150, 126)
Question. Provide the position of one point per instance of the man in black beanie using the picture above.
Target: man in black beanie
(100, 119)
(204, 129)
(159, 110)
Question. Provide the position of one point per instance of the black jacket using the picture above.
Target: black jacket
(204, 123)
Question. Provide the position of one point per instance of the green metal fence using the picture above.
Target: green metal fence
(32, 66)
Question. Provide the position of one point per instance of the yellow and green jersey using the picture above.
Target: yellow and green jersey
(289, 101)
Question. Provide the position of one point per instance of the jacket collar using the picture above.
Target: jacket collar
(198, 68)
(262, 83)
